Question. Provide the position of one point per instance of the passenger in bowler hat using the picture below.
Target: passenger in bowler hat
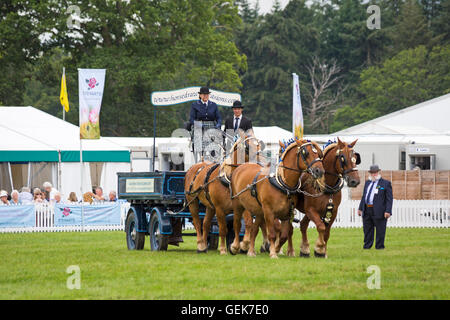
(375, 208)
(238, 121)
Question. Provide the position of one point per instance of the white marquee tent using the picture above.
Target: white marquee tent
(417, 136)
(37, 147)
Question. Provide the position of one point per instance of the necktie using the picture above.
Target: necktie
(370, 192)
(236, 121)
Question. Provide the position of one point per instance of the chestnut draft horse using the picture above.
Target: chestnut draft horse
(208, 183)
(339, 161)
(272, 196)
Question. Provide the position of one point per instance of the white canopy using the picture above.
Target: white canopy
(32, 136)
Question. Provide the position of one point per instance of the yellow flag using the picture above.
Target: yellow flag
(63, 95)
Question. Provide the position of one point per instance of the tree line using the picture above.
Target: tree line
(348, 72)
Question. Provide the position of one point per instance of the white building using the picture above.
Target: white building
(418, 136)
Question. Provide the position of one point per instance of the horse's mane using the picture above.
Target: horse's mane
(238, 141)
(287, 146)
(330, 145)
(327, 147)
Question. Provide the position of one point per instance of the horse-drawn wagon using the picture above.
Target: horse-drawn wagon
(158, 210)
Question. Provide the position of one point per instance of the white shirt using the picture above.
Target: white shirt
(369, 197)
(52, 194)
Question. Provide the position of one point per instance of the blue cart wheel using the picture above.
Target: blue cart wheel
(158, 241)
(135, 239)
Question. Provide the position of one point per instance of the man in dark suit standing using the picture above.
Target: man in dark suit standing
(375, 208)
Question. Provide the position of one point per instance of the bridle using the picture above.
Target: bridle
(303, 153)
(343, 163)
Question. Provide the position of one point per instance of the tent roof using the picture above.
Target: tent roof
(272, 134)
(37, 130)
(429, 117)
(436, 139)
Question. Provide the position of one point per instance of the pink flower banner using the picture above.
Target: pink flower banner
(91, 83)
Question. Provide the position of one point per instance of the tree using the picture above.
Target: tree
(322, 100)
(410, 77)
(412, 29)
(276, 45)
(144, 45)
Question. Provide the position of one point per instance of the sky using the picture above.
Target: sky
(265, 6)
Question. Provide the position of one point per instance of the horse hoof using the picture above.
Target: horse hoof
(202, 251)
(251, 254)
(274, 256)
(304, 255)
(233, 250)
(320, 255)
(243, 251)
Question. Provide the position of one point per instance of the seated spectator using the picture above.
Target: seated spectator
(15, 198)
(57, 198)
(112, 196)
(37, 196)
(25, 196)
(98, 196)
(44, 197)
(4, 198)
(72, 197)
(88, 197)
(48, 188)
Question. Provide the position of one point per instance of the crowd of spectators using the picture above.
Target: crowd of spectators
(49, 194)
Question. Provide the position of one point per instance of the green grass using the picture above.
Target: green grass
(414, 265)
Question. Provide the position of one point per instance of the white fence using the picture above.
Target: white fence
(45, 221)
(405, 214)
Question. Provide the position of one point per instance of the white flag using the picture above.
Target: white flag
(91, 83)
(297, 113)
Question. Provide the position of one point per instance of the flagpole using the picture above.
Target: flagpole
(64, 109)
(81, 186)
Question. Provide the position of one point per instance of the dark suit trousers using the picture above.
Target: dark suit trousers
(370, 223)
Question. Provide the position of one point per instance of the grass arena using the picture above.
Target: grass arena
(414, 265)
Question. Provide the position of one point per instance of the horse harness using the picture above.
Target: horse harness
(303, 153)
(339, 183)
(206, 182)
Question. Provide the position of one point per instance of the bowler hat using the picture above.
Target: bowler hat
(204, 90)
(237, 104)
(374, 168)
